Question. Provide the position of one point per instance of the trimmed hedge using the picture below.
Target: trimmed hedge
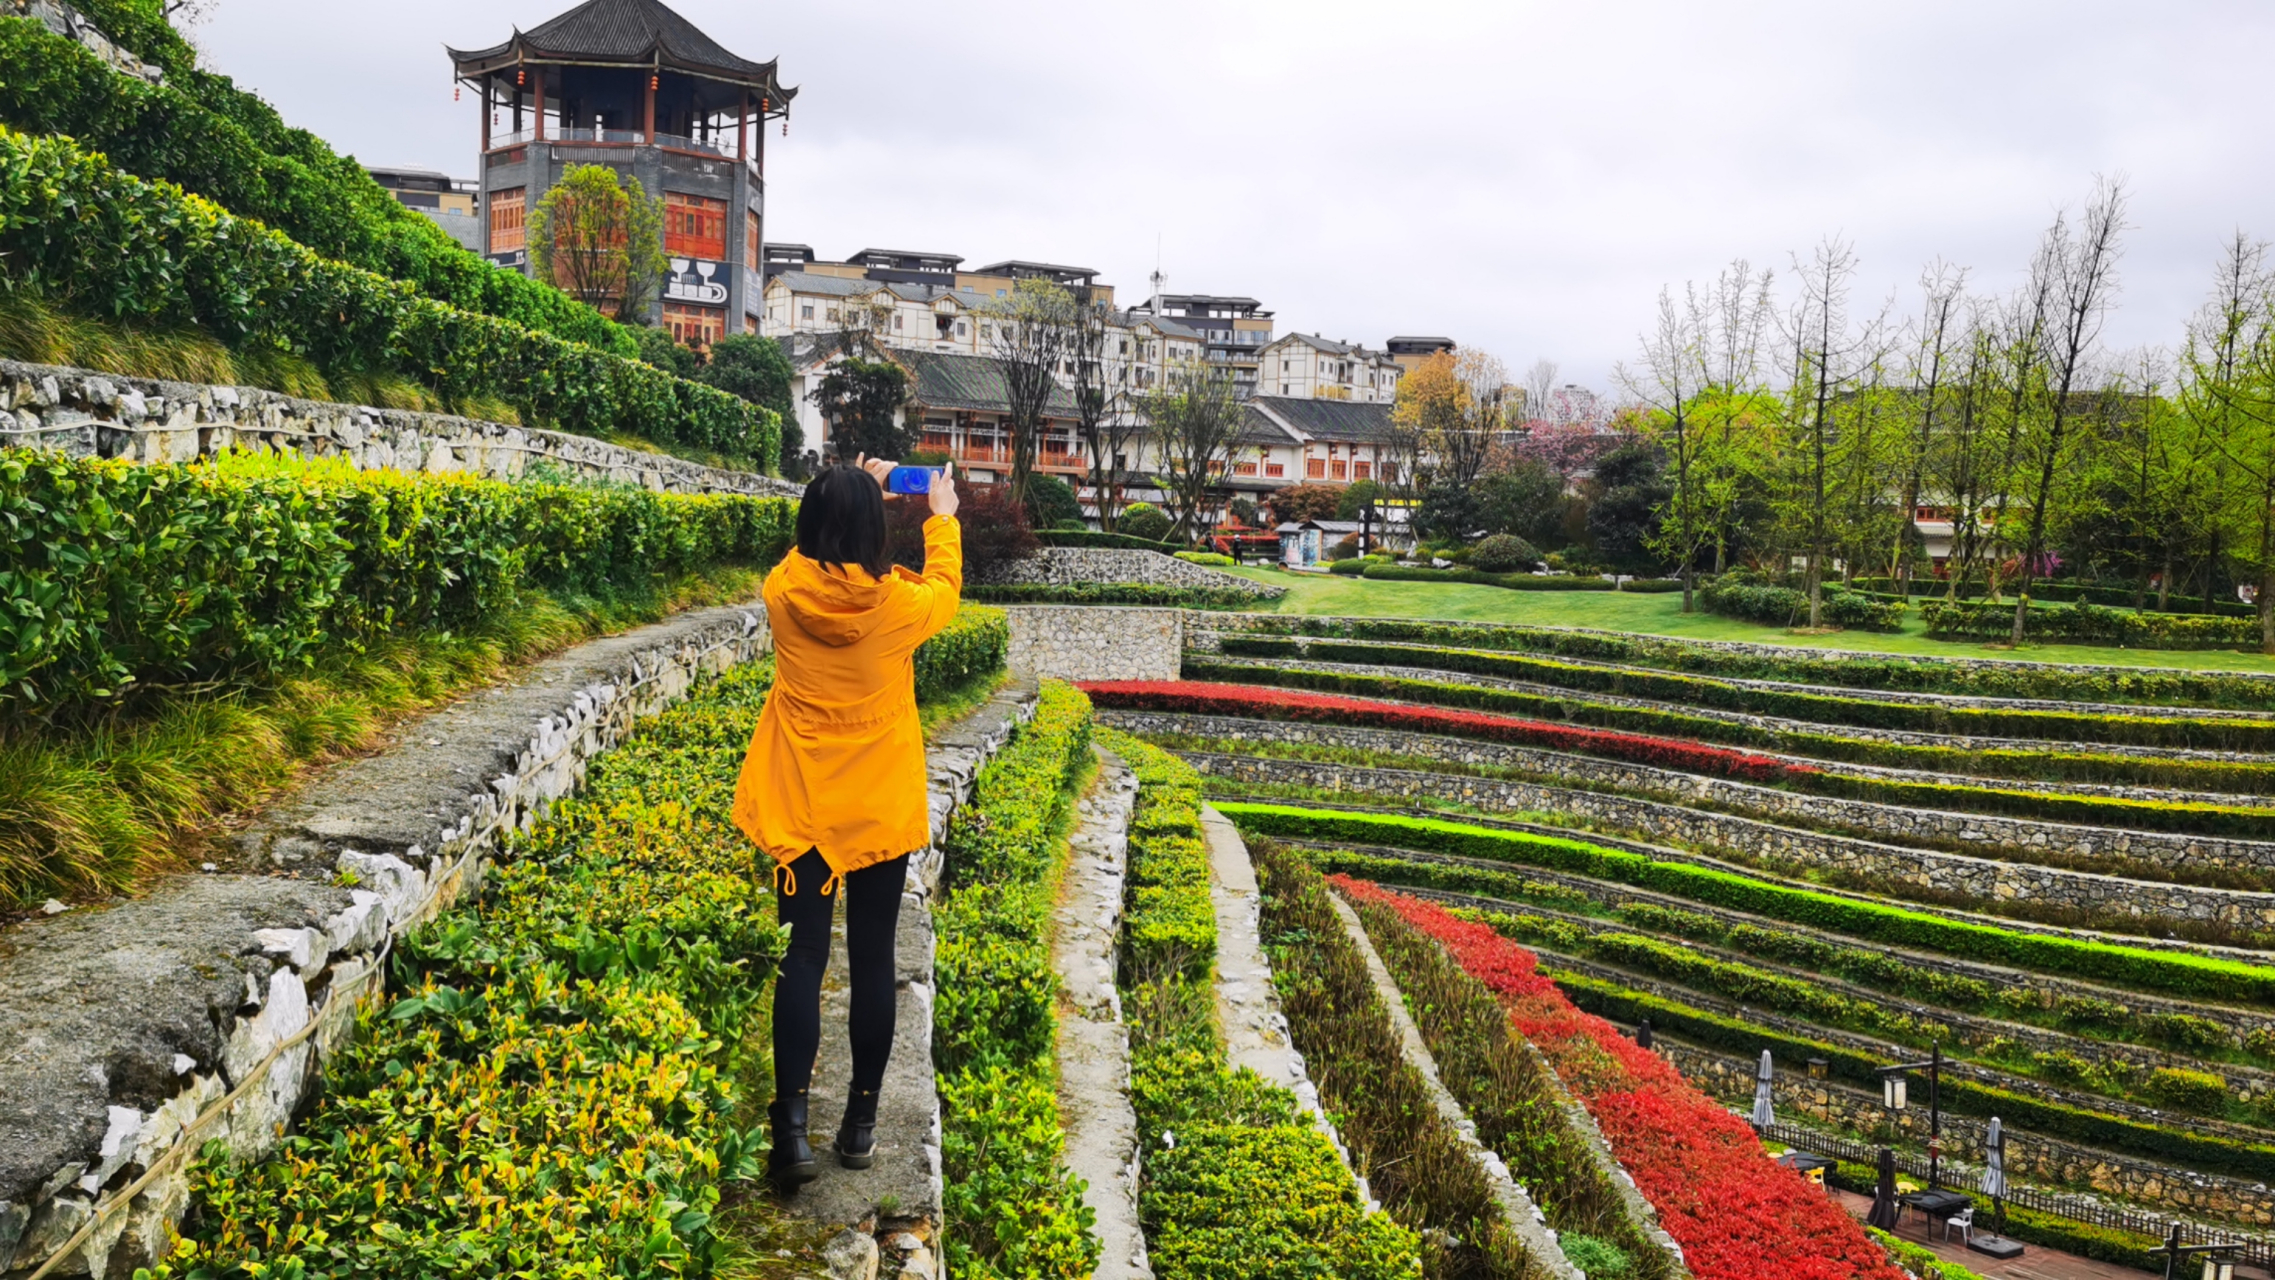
(1786, 607)
(1925, 591)
(2084, 623)
(1382, 572)
(1415, 1159)
(2209, 1153)
(74, 228)
(2181, 973)
(1150, 594)
(976, 642)
(2243, 776)
(555, 1088)
(1234, 1180)
(114, 574)
(1791, 704)
(1094, 538)
(1510, 1093)
(1973, 677)
(325, 201)
(1013, 1209)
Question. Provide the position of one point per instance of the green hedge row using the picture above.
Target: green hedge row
(1976, 677)
(54, 85)
(1234, 1180)
(1790, 704)
(1416, 1161)
(976, 642)
(1511, 1094)
(2181, 973)
(2207, 1152)
(114, 574)
(74, 228)
(1093, 538)
(1383, 572)
(553, 1086)
(2090, 624)
(1927, 591)
(1149, 594)
(2248, 777)
(1013, 1209)
(1785, 607)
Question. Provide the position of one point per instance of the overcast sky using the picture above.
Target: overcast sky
(1522, 177)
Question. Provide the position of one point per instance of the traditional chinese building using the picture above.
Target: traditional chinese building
(632, 85)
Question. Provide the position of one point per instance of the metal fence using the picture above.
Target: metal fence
(2086, 1209)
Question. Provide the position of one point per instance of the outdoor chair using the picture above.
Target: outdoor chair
(1964, 1220)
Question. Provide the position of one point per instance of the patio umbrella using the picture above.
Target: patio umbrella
(1883, 1213)
(1763, 1117)
(1994, 1170)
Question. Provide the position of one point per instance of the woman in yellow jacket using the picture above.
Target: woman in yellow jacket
(834, 786)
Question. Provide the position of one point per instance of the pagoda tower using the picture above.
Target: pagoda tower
(632, 85)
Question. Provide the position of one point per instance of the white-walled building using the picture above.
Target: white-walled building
(1305, 366)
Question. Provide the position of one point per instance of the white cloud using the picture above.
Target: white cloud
(1521, 176)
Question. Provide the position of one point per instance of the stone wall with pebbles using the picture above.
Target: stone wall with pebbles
(2100, 849)
(90, 414)
(1978, 879)
(207, 1008)
(1096, 642)
(1071, 566)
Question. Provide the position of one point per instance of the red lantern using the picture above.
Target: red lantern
(456, 91)
(520, 78)
(654, 83)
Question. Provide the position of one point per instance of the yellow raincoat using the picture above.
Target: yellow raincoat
(837, 762)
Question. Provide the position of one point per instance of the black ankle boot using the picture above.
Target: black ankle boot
(791, 1163)
(857, 1137)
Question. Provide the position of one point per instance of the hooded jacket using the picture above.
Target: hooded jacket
(837, 761)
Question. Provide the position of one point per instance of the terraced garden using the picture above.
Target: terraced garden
(2062, 878)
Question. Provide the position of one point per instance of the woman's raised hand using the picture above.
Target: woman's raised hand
(878, 469)
(943, 492)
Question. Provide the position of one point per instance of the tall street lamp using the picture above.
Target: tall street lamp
(1892, 1096)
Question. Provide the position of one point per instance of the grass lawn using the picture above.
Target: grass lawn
(1662, 615)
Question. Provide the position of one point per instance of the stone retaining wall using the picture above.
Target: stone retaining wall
(129, 1024)
(2029, 1157)
(88, 414)
(1325, 628)
(1973, 878)
(1096, 642)
(1982, 835)
(1071, 566)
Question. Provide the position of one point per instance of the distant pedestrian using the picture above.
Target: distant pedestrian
(833, 788)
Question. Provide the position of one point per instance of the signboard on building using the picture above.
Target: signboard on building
(697, 281)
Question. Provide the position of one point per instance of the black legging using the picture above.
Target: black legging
(872, 914)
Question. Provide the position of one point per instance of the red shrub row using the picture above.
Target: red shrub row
(1200, 698)
(1737, 1214)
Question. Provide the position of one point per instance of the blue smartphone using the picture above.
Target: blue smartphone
(910, 480)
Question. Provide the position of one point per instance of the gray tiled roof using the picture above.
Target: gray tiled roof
(835, 286)
(945, 380)
(626, 30)
(1340, 421)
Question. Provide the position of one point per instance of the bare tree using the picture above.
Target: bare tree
(1732, 322)
(1102, 415)
(1467, 440)
(1540, 384)
(1028, 335)
(1829, 354)
(2084, 271)
(1673, 373)
(1194, 424)
(1944, 288)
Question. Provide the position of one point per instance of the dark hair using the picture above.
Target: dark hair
(842, 520)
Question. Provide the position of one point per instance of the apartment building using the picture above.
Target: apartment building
(1410, 351)
(1306, 366)
(455, 204)
(1235, 329)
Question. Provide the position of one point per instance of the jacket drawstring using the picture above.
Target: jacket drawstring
(786, 881)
